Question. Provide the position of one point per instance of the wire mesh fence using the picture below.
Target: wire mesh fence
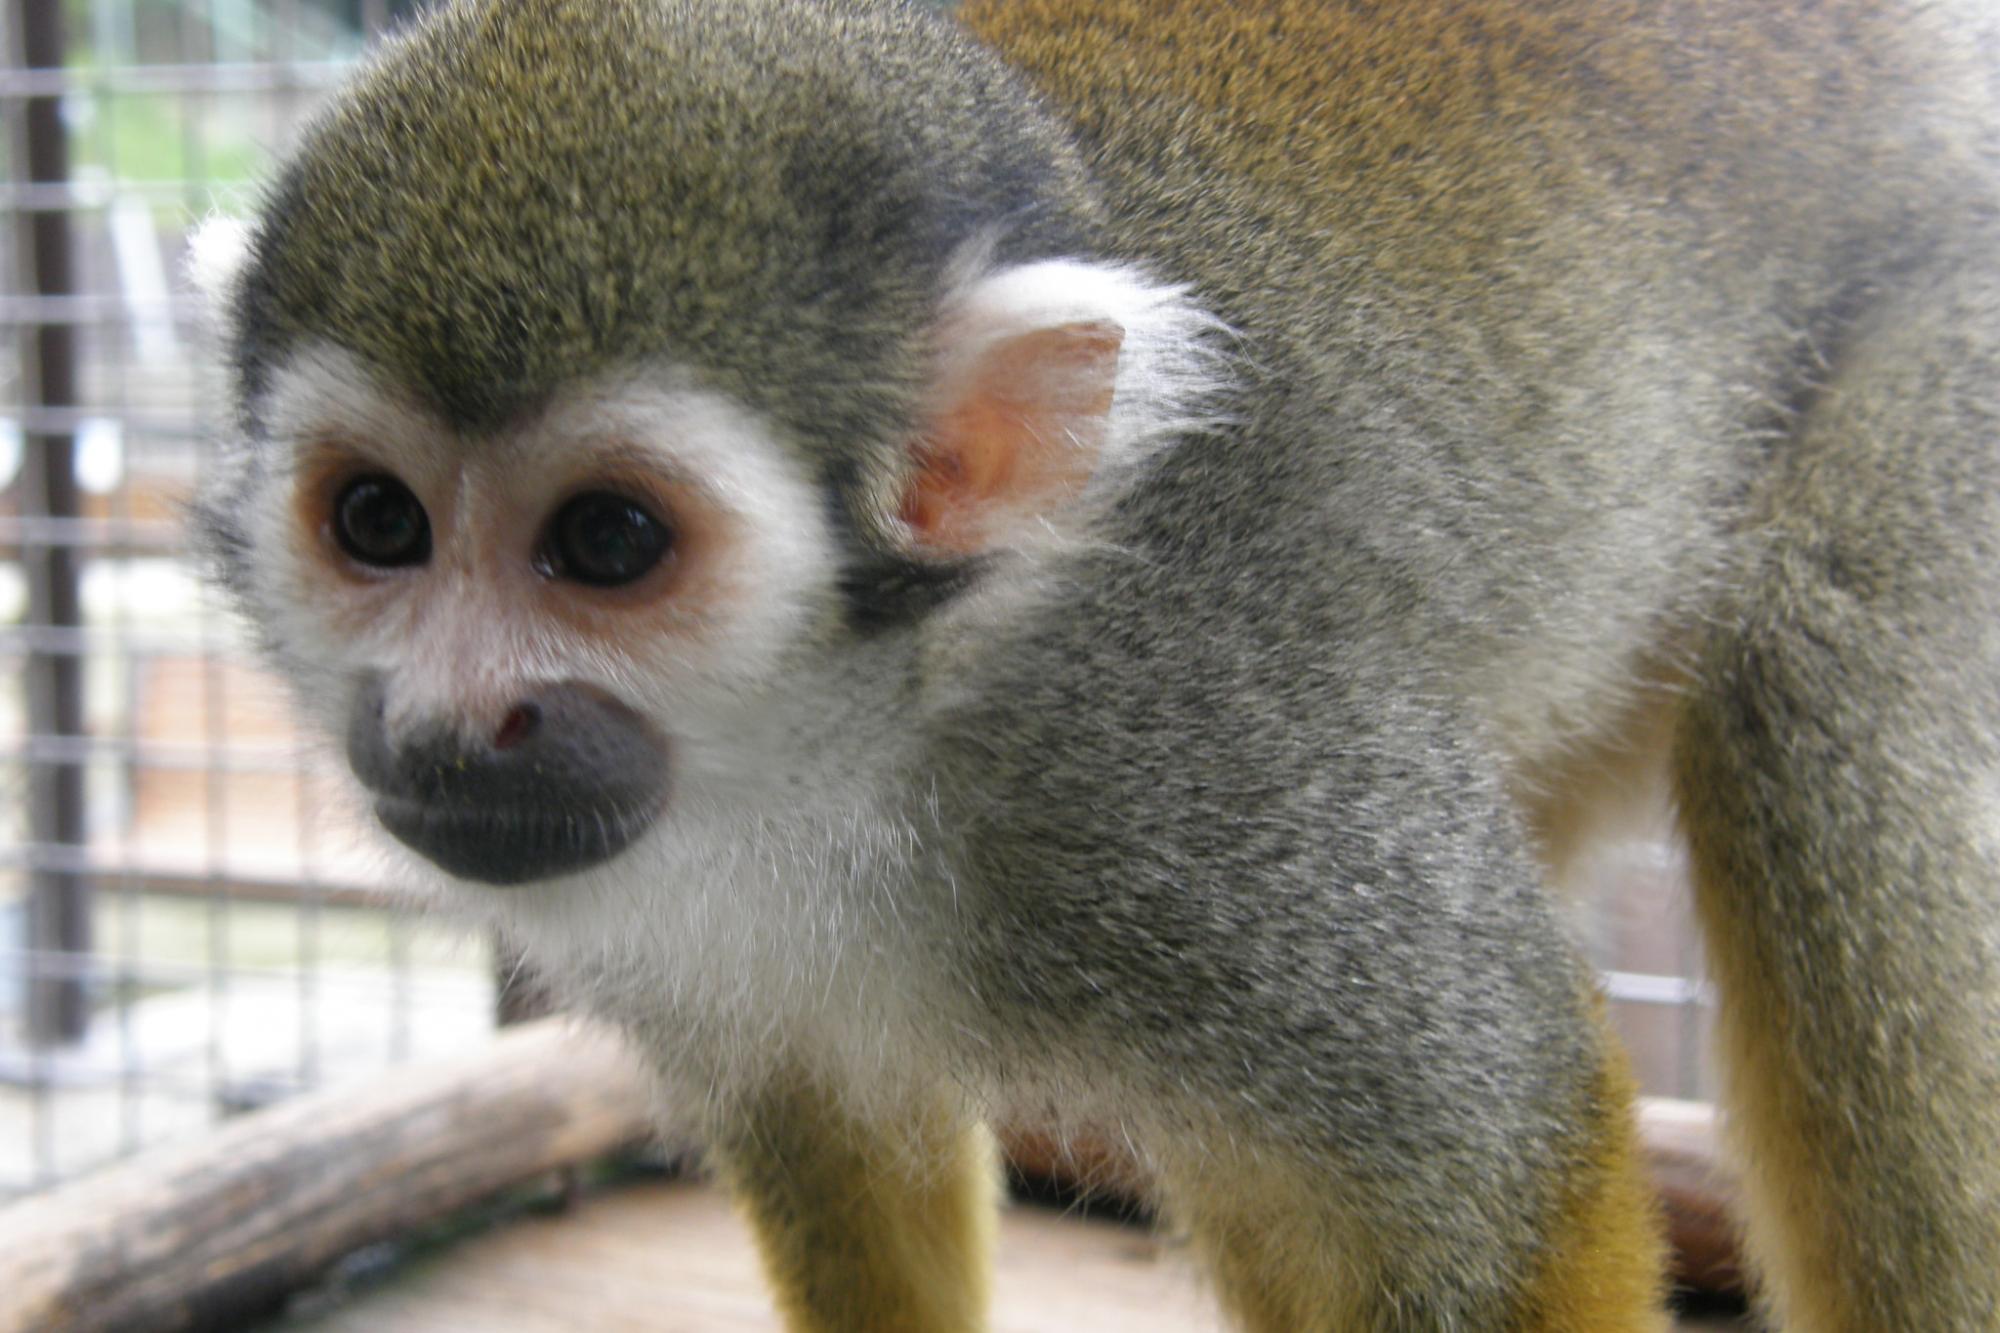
(189, 923)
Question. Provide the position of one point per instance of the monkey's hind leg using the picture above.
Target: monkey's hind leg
(864, 1226)
(1838, 773)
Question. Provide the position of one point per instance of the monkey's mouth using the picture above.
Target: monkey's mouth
(570, 779)
(511, 843)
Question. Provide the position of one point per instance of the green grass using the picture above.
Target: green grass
(214, 142)
(150, 138)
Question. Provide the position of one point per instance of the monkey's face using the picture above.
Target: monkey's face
(626, 616)
(645, 679)
(651, 427)
(530, 639)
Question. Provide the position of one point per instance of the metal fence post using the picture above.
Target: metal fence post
(59, 896)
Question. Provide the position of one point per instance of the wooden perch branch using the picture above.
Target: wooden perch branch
(207, 1234)
(204, 1234)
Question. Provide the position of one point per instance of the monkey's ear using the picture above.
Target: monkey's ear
(217, 251)
(1015, 437)
(1053, 381)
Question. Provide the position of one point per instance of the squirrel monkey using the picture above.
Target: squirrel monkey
(1074, 563)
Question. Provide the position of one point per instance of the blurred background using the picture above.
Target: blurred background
(189, 921)
(188, 925)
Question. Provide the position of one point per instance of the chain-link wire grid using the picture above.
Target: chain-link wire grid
(188, 922)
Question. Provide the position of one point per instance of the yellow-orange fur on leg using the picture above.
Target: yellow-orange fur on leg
(1283, 1254)
(1606, 1252)
(1291, 1254)
(865, 1227)
(1836, 776)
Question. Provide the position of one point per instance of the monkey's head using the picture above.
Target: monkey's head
(634, 395)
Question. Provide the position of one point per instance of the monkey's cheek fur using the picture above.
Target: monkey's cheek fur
(510, 845)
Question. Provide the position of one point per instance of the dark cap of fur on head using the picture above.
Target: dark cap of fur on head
(522, 192)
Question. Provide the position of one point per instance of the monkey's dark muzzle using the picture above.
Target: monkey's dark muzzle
(568, 780)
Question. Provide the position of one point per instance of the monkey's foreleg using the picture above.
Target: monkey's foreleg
(1839, 770)
(866, 1226)
(1298, 1249)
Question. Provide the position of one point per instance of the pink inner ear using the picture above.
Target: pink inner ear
(1018, 438)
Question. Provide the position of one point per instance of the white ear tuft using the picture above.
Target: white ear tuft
(1171, 364)
(1054, 381)
(217, 250)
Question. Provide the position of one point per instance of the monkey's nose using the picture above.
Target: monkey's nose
(519, 724)
(569, 778)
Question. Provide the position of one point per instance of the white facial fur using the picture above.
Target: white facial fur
(750, 905)
(217, 250)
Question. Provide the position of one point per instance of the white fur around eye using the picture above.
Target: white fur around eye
(779, 569)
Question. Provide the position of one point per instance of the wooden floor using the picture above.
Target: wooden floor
(672, 1258)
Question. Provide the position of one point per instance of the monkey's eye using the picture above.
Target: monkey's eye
(603, 540)
(379, 522)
